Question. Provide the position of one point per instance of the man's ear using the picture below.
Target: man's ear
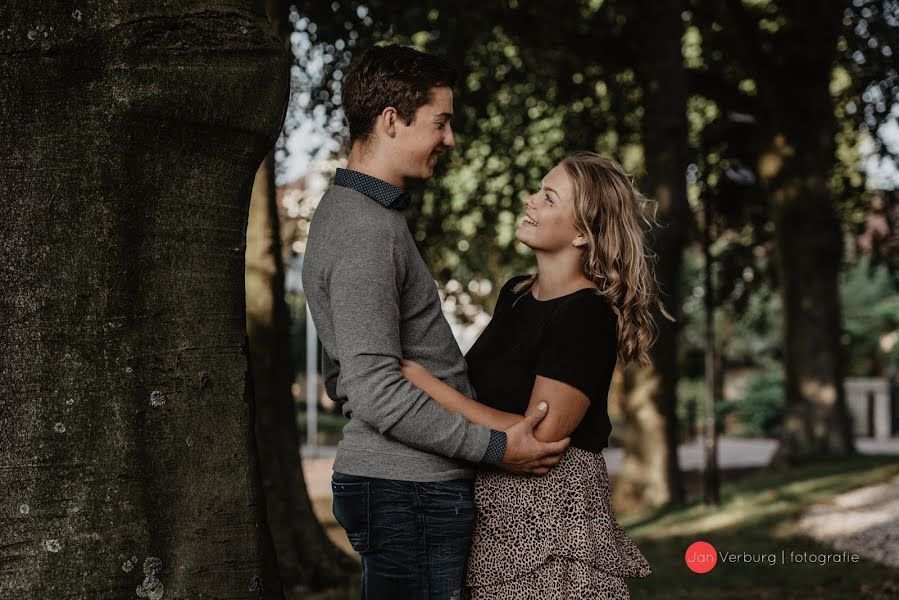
(389, 118)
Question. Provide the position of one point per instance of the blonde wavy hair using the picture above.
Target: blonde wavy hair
(611, 214)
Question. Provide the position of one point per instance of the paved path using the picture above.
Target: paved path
(864, 521)
(732, 453)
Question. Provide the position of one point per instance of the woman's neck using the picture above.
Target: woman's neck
(559, 274)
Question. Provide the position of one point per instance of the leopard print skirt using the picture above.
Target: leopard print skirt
(550, 538)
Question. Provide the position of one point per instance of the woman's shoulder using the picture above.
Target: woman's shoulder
(514, 280)
(508, 288)
(586, 307)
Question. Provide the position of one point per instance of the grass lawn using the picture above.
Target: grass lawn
(757, 516)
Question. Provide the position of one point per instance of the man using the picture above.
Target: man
(402, 480)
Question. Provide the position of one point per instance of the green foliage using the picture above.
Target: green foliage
(524, 101)
(747, 327)
(761, 410)
(867, 49)
(691, 394)
(870, 298)
(752, 336)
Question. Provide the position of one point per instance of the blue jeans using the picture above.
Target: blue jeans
(413, 537)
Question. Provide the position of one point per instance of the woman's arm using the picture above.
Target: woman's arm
(455, 401)
(566, 406)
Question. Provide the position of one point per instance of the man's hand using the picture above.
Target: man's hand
(527, 454)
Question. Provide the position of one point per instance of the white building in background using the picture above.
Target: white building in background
(872, 406)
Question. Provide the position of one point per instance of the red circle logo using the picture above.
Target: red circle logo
(701, 557)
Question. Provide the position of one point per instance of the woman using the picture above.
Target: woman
(555, 338)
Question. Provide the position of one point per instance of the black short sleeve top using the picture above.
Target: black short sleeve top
(572, 339)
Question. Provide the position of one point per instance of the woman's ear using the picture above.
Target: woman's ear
(579, 241)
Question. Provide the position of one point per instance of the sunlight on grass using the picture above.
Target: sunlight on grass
(762, 496)
(757, 518)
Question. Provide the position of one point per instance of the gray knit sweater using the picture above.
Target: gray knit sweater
(374, 302)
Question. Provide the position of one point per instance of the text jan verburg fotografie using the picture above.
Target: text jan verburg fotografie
(772, 558)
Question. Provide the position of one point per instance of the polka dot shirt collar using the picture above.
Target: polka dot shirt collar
(383, 193)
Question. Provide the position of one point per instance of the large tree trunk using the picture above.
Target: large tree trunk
(650, 473)
(307, 558)
(796, 169)
(131, 135)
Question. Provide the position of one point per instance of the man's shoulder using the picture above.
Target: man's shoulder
(356, 216)
(349, 219)
(352, 202)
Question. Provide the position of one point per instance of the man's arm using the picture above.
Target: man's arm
(330, 372)
(365, 302)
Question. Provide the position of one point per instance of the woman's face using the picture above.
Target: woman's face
(548, 224)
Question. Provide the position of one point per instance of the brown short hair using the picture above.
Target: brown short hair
(395, 76)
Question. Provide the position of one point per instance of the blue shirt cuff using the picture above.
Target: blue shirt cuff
(496, 448)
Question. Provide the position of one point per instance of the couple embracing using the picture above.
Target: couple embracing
(479, 476)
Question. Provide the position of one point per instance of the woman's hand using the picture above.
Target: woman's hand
(413, 371)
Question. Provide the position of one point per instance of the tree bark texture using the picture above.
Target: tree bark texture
(131, 134)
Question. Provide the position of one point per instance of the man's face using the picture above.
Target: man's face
(417, 145)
